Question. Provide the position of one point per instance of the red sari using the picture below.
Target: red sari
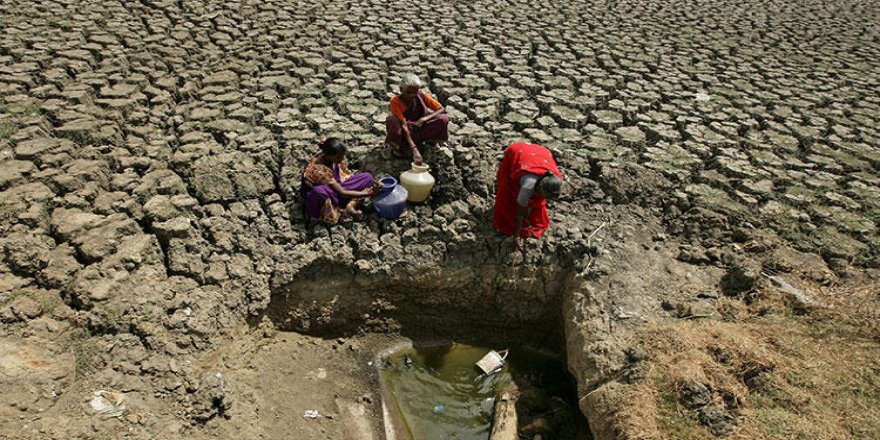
(519, 159)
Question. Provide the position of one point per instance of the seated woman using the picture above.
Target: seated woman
(329, 190)
(415, 117)
(527, 178)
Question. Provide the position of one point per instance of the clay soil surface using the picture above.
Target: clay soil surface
(711, 269)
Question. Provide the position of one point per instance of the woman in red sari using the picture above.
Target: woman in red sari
(527, 178)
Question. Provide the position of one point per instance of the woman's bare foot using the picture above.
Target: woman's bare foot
(354, 213)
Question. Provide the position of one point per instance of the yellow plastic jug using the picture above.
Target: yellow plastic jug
(418, 182)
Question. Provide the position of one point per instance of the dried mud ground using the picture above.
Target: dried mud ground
(712, 269)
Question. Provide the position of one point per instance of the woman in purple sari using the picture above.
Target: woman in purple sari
(416, 117)
(329, 190)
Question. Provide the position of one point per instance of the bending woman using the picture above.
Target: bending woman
(330, 191)
(415, 117)
(527, 178)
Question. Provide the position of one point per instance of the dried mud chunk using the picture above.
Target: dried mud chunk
(607, 119)
(631, 183)
(24, 202)
(94, 283)
(716, 420)
(103, 240)
(213, 186)
(210, 397)
(162, 181)
(135, 251)
(14, 171)
(224, 77)
(567, 116)
(631, 136)
(833, 244)
(185, 256)
(160, 208)
(225, 176)
(87, 130)
(742, 274)
(26, 252)
(89, 171)
(204, 114)
(60, 268)
(178, 227)
(67, 222)
(24, 307)
(694, 394)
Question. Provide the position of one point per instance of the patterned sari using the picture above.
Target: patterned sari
(321, 201)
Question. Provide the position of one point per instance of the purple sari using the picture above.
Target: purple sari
(316, 196)
(435, 130)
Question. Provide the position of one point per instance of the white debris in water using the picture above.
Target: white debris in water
(311, 414)
(701, 97)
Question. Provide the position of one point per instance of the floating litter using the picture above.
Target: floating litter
(492, 361)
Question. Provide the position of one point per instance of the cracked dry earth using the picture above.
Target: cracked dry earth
(152, 243)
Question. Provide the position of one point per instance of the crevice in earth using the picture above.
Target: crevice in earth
(77, 254)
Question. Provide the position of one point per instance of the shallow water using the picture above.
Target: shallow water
(440, 394)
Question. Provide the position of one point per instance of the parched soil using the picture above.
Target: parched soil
(722, 163)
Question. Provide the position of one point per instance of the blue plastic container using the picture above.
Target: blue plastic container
(391, 200)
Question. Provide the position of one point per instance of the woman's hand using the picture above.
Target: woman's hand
(417, 157)
(421, 121)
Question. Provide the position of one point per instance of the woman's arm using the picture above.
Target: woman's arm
(428, 117)
(434, 105)
(407, 135)
(346, 193)
(528, 183)
(417, 156)
(522, 213)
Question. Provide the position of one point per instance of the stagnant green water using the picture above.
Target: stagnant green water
(440, 394)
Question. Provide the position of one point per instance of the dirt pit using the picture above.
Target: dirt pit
(494, 304)
(461, 302)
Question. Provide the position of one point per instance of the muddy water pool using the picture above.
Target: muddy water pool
(438, 393)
